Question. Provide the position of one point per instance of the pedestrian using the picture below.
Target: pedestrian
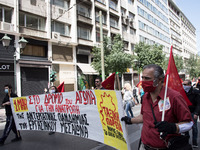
(10, 123)
(157, 134)
(198, 83)
(141, 94)
(194, 97)
(52, 90)
(98, 85)
(135, 89)
(129, 100)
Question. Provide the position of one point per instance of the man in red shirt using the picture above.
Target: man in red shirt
(177, 115)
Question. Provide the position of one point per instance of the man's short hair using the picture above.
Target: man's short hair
(158, 71)
(100, 79)
(8, 85)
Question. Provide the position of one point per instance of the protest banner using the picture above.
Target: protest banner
(91, 114)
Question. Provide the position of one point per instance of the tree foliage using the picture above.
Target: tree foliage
(148, 54)
(192, 66)
(115, 59)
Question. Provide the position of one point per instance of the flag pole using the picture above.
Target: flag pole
(166, 86)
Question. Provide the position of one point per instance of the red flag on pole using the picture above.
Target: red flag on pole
(61, 87)
(109, 82)
(174, 81)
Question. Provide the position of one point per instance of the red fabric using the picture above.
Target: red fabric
(139, 84)
(174, 80)
(177, 111)
(109, 82)
(61, 87)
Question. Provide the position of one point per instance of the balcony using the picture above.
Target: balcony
(33, 32)
(33, 7)
(83, 18)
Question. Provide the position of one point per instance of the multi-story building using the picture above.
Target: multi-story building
(153, 23)
(183, 36)
(62, 33)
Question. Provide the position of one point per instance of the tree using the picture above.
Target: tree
(191, 66)
(178, 62)
(115, 59)
(148, 54)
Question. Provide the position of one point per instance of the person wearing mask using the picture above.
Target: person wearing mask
(194, 97)
(98, 85)
(128, 100)
(10, 123)
(156, 133)
(52, 90)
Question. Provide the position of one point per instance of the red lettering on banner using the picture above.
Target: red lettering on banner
(39, 108)
(87, 97)
(35, 98)
(56, 98)
(78, 98)
(20, 105)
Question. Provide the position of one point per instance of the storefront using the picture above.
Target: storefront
(86, 76)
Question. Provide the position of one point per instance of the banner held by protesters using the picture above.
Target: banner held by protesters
(91, 114)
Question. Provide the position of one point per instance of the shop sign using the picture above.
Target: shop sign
(6, 67)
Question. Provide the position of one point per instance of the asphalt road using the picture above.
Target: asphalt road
(40, 140)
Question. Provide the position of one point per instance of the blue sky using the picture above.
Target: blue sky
(191, 9)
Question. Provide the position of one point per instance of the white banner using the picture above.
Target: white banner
(92, 114)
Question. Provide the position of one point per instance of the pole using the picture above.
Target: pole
(102, 51)
(15, 80)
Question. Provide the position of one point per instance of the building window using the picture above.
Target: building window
(34, 50)
(84, 33)
(5, 14)
(61, 3)
(113, 22)
(124, 28)
(113, 4)
(132, 47)
(62, 28)
(84, 11)
(32, 21)
(103, 17)
(132, 31)
(98, 36)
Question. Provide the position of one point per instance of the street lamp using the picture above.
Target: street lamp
(22, 44)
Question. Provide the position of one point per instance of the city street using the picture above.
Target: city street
(35, 140)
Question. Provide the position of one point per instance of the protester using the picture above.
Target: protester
(10, 123)
(141, 94)
(52, 90)
(98, 85)
(194, 97)
(129, 100)
(135, 89)
(156, 134)
(198, 83)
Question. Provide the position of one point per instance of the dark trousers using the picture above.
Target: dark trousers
(10, 125)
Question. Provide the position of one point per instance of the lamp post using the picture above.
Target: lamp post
(22, 44)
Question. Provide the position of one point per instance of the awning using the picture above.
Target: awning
(87, 69)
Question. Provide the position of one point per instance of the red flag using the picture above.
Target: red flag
(174, 80)
(109, 82)
(61, 87)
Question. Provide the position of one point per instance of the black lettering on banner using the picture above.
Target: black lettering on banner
(20, 115)
(114, 133)
(41, 121)
(74, 124)
(23, 125)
